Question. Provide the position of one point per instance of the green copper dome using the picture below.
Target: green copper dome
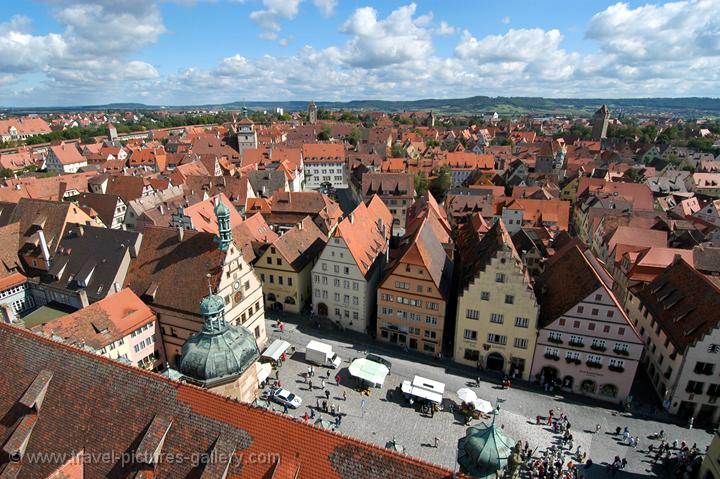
(218, 353)
(211, 305)
(484, 450)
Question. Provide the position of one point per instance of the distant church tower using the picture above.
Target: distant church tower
(222, 213)
(431, 120)
(246, 136)
(312, 113)
(600, 123)
(112, 132)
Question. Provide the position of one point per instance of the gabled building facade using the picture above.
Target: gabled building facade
(497, 314)
(346, 276)
(586, 343)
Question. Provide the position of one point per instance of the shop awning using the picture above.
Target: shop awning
(374, 373)
(276, 349)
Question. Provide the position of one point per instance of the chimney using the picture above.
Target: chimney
(81, 230)
(162, 209)
(44, 248)
(352, 218)
(82, 295)
(300, 226)
(181, 233)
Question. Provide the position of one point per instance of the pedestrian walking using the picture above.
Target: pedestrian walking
(310, 383)
(306, 417)
(332, 409)
(337, 379)
(312, 413)
(597, 428)
(690, 422)
(327, 394)
(309, 371)
(344, 396)
(325, 406)
(285, 408)
(282, 327)
(322, 384)
(277, 374)
(337, 409)
(437, 441)
(317, 403)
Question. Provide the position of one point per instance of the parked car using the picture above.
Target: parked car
(379, 359)
(285, 397)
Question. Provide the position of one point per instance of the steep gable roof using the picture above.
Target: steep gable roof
(300, 245)
(366, 232)
(684, 303)
(476, 253)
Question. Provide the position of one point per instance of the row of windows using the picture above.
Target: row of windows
(472, 335)
(280, 279)
(141, 330)
(408, 315)
(591, 326)
(580, 341)
(346, 314)
(11, 291)
(144, 343)
(336, 268)
(497, 318)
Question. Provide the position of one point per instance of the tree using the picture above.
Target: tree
(6, 172)
(398, 151)
(441, 182)
(324, 134)
(354, 137)
(421, 184)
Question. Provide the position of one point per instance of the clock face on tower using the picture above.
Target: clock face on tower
(236, 285)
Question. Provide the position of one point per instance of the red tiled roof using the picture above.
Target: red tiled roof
(362, 235)
(98, 405)
(324, 152)
(101, 323)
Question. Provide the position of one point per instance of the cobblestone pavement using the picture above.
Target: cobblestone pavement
(385, 415)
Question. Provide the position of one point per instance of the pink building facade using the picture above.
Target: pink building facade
(585, 344)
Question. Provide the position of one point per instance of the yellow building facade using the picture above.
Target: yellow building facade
(496, 322)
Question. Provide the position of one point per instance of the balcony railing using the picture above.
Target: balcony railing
(617, 369)
(573, 360)
(593, 364)
(555, 340)
(578, 344)
(597, 347)
(622, 352)
(552, 357)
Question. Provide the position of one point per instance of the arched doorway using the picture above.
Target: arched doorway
(588, 386)
(495, 361)
(322, 309)
(548, 374)
(277, 306)
(608, 390)
(568, 382)
(289, 300)
(271, 297)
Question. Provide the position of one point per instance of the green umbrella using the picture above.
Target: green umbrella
(323, 423)
(394, 446)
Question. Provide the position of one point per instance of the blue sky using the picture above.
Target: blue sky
(60, 52)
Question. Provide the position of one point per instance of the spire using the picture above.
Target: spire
(222, 213)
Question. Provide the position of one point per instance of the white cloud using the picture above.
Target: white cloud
(398, 38)
(326, 7)
(95, 56)
(445, 29)
(274, 11)
(505, 20)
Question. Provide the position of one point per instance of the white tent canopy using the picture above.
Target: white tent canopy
(276, 349)
(482, 406)
(263, 371)
(424, 388)
(466, 395)
(369, 371)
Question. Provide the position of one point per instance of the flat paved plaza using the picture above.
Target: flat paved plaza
(384, 414)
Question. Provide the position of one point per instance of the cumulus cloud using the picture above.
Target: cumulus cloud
(652, 50)
(446, 29)
(274, 11)
(398, 38)
(326, 7)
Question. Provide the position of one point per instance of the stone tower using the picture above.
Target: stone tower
(246, 136)
(312, 113)
(112, 132)
(222, 213)
(600, 123)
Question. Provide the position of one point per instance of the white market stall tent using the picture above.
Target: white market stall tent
(276, 349)
(369, 371)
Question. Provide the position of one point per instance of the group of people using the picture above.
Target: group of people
(564, 461)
